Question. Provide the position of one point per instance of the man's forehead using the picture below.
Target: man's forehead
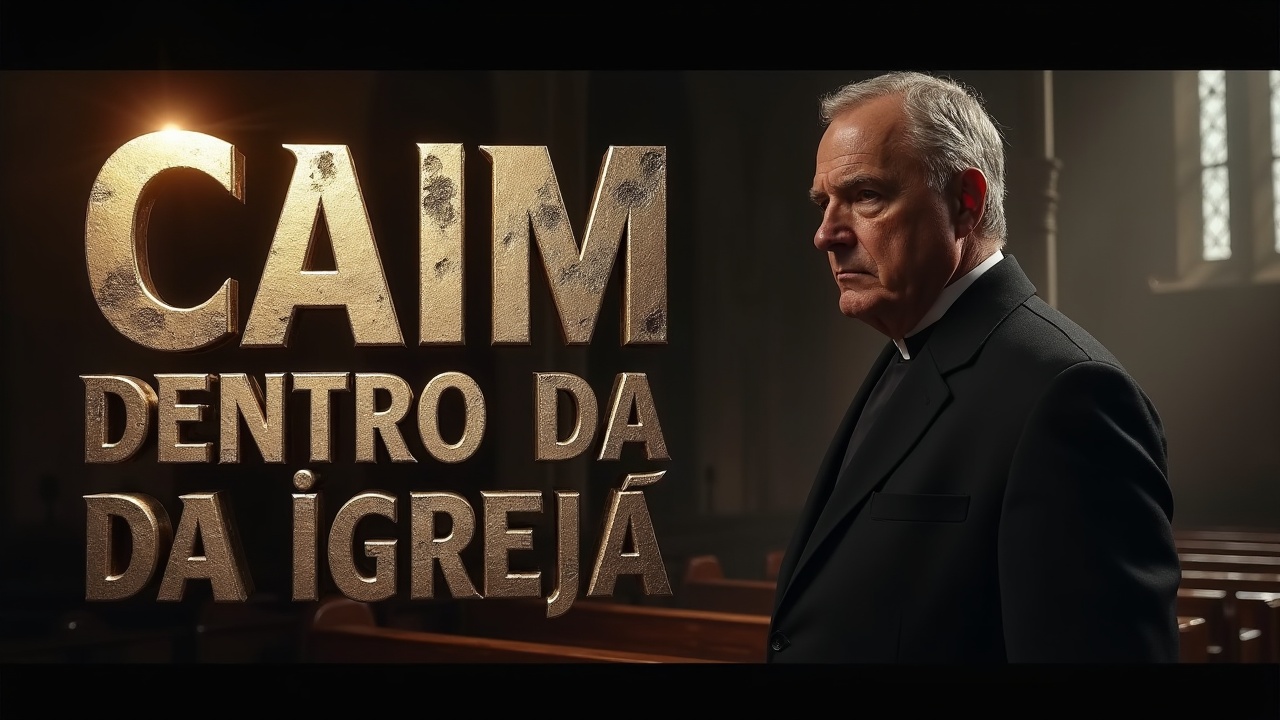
(866, 123)
(848, 162)
(866, 140)
(842, 162)
(863, 134)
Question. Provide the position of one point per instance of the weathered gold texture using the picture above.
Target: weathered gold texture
(635, 480)
(631, 390)
(342, 566)
(171, 414)
(139, 404)
(567, 571)
(241, 396)
(500, 539)
(440, 232)
(428, 548)
(149, 530)
(206, 519)
(324, 181)
(628, 509)
(319, 388)
(630, 200)
(304, 480)
(372, 423)
(115, 241)
(547, 444)
(307, 512)
(429, 416)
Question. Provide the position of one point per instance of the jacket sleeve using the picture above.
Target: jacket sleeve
(1088, 567)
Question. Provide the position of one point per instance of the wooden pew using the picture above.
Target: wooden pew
(1261, 610)
(773, 564)
(1229, 563)
(1225, 547)
(1219, 620)
(704, 587)
(1252, 536)
(1193, 638)
(1252, 647)
(1209, 631)
(1253, 641)
(699, 634)
(703, 567)
(1234, 636)
(343, 631)
(1232, 581)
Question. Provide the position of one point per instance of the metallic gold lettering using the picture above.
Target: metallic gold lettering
(428, 549)
(382, 584)
(150, 532)
(628, 509)
(319, 387)
(172, 414)
(500, 539)
(206, 518)
(631, 390)
(115, 241)
(324, 181)
(567, 571)
(630, 200)
(241, 396)
(547, 444)
(139, 403)
(307, 512)
(440, 255)
(372, 423)
(429, 416)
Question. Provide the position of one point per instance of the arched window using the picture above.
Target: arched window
(1227, 130)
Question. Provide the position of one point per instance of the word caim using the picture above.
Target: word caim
(629, 203)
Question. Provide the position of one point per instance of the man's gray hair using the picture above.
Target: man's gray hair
(947, 126)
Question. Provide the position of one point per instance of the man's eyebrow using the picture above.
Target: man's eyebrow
(845, 183)
(852, 181)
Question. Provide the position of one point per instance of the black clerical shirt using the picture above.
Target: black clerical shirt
(882, 393)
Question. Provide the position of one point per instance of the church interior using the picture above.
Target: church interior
(1145, 205)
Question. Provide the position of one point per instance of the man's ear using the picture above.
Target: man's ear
(971, 201)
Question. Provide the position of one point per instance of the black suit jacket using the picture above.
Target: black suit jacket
(1011, 504)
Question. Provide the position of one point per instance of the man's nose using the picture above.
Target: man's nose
(832, 233)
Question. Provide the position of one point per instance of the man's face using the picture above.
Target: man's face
(890, 239)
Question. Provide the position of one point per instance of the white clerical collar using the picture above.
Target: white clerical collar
(949, 295)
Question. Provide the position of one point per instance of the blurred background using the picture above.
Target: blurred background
(1142, 203)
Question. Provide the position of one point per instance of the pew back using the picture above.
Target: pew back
(343, 631)
(699, 634)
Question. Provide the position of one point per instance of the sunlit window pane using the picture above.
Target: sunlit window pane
(1213, 117)
(1217, 218)
(1213, 160)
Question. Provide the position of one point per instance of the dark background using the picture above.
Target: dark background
(760, 365)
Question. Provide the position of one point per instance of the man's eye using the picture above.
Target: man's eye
(868, 195)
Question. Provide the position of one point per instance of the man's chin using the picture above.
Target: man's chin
(856, 305)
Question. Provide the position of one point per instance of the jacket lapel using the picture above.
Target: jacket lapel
(921, 396)
(916, 404)
(826, 478)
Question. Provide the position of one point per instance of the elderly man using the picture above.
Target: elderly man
(997, 491)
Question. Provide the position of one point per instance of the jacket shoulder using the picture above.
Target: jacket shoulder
(1048, 338)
